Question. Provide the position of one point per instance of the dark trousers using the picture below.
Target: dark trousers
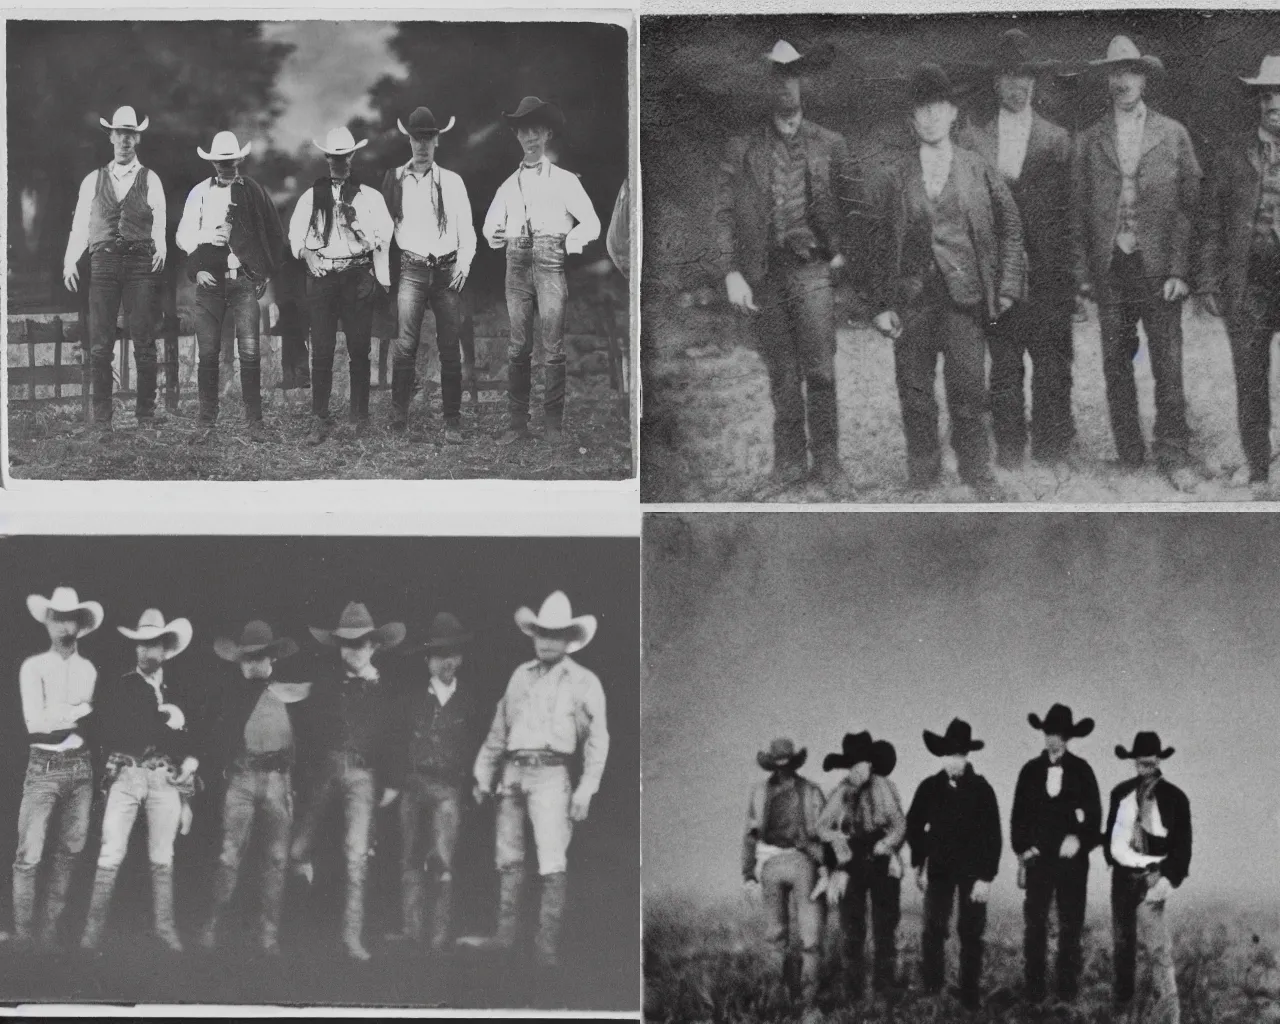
(933, 324)
(115, 278)
(796, 337)
(941, 892)
(1041, 328)
(1067, 881)
(1251, 326)
(348, 295)
(1137, 924)
(1130, 298)
(421, 287)
(869, 881)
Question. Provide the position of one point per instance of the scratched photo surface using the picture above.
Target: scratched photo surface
(808, 627)
(221, 583)
(1031, 420)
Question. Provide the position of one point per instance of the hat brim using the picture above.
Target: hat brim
(386, 636)
(884, 758)
(1025, 67)
(89, 612)
(582, 628)
(453, 645)
(218, 157)
(769, 764)
(1145, 62)
(1129, 755)
(424, 131)
(340, 152)
(1078, 730)
(229, 650)
(125, 127)
(179, 629)
(1260, 84)
(940, 746)
(548, 114)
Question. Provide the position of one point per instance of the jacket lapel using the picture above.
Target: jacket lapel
(986, 138)
(758, 161)
(1108, 140)
(1153, 133)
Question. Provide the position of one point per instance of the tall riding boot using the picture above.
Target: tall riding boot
(207, 386)
(824, 427)
(272, 904)
(146, 396)
(224, 886)
(55, 900)
(104, 379)
(24, 904)
(321, 388)
(442, 918)
(162, 905)
(411, 897)
(402, 381)
(504, 937)
(549, 920)
(104, 885)
(451, 392)
(251, 387)
(553, 400)
(519, 384)
(353, 910)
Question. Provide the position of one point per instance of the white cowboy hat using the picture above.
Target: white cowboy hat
(126, 119)
(225, 147)
(1123, 50)
(65, 601)
(556, 616)
(1268, 75)
(151, 626)
(339, 142)
(783, 53)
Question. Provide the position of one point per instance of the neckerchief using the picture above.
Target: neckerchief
(322, 203)
(1144, 794)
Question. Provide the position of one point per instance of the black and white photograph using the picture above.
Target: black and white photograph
(326, 770)
(954, 766)
(947, 257)
(319, 249)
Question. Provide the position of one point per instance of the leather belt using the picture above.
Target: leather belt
(332, 263)
(412, 259)
(537, 758)
(526, 241)
(275, 761)
(123, 247)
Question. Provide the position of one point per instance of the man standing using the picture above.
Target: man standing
(233, 237)
(541, 214)
(953, 827)
(437, 242)
(120, 221)
(57, 693)
(343, 231)
(1057, 813)
(553, 708)
(1033, 156)
(780, 236)
(1136, 195)
(1148, 845)
(1240, 265)
(429, 760)
(946, 257)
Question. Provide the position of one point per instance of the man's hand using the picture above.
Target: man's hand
(78, 711)
(157, 263)
(1031, 854)
(312, 259)
(888, 324)
(1003, 305)
(740, 297)
(1070, 847)
(205, 278)
(980, 891)
(836, 887)
(579, 806)
(176, 718)
(187, 771)
(499, 238)
(921, 883)
(71, 279)
(1175, 290)
(1209, 304)
(1159, 892)
(459, 279)
(388, 797)
(479, 794)
(882, 849)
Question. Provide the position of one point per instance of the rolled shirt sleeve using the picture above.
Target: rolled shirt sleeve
(187, 237)
(300, 224)
(78, 241)
(159, 223)
(496, 218)
(1121, 838)
(375, 221)
(578, 203)
(461, 215)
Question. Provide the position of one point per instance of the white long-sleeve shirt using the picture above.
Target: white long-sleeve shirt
(547, 197)
(205, 211)
(418, 231)
(1013, 132)
(1127, 824)
(122, 176)
(371, 217)
(56, 694)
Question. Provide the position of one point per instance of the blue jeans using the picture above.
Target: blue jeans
(348, 295)
(536, 282)
(354, 784)
(134, 789)
(240, 299)
(113, 278)
(429, 286)
(542, 793)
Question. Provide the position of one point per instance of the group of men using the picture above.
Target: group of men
(806, 851)
(982, 244)
(366, 733)
(346, 234)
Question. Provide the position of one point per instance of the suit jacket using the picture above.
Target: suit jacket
(989, 208)
(1226, 233)
(955, 830)
(1175, 814)
(743, 213)
(1043, 196)
(1042, 821)
(1167, 205)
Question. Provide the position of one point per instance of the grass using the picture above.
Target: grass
(709, 963)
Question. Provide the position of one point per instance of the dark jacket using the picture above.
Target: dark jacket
(955, 830)
(423, 736)
(743, 211)
(1043, 821)
(994, 227)
(1043, 196)
(223, 735)
(341, 715)
(257, 235)
(1175, 815)
(1167, 204)
(127, 719)
(1226, 231)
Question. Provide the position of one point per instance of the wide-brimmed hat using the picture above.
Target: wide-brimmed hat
(225, 147)
(784, 59)
(125, 119)
(1268, 76)
(532, 110)
(339, 142)
(1060, 722)
(151, 626)
(1145, 744)
(854, 748)
(446, 635)
(931, 83)
(256, 641)
(423, 122)
(355, 624)
(958, 739)
(65, 601)
(556, 617)
(1014, 56)
(781, 754)
(1123, 52)
(884, 758)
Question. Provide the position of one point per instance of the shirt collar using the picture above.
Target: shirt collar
(1022, 118)
(1135, 116)
(156, 679)
(124, 170)
(370, 676)
(431, 173)
(542, 165)
(442, 692)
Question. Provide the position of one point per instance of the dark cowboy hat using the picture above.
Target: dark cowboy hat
(855, 747)
(1145, 744)
(256, 641)
(445, 636)
(1123, 54)
(884, 758)
(423, 122)
(1060, 722)
(781, 754)
(930, 84)
(533, 111)
(958, 739)
(356, 623)
(1013, 56)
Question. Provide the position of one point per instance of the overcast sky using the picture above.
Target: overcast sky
(809, 625)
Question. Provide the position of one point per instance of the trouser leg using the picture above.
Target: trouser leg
(1051, 346)
(445, 825)
(73, 830)
(1008, 339)
(1250, 332)
(358, 801)
(915, 357)
(1171, 435)
(937, 922)
(886, 901)
(853, 922)
(40, 797)
(277, 820)
(237, 824)
(777, 340)
(1118, 316)
(118, 818)
(1072, 897)
(210, 311)
(972, 926)
(965, 374)
(447, 305)
(815, 331)
(359, 292)
(323, 299)
(1157, 942)
(106, 290)
(141, 288)
(1125, 897)
(521, 303)
(552, 292)
(248, 321)
(1035, 913)
(411, 882)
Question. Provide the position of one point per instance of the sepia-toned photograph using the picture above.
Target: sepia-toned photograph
(245, 250)
(960, 767)
(336, 771)
(952, 258)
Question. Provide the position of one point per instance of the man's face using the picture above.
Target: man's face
(358, 655)
(954, 764)
(1055, 745)
(339, 166)
(424, 146)
(1269, 110)
(150, 656)
(550, 649)
(256, 667)
(1147, 766)
(533, 139)
(227, 169)
(124, 143)
(932, 121)
(1126, 87)
(63, 629)
(444, 666)
(786, 94)
(859, 774)
(1015, 92)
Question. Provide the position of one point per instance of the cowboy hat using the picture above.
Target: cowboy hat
(65, 601)
(1145, 744)
(884, 758)
(151, 626)
(556, 616)
(125, 119)
(784, 59)
(445, 636)
(958, 739)
(423, 122)
(355, 624)
(339, 142)
(930, 84)
(855, 748)
(1013, 55)
(225, 147)
(1060, 722)
(1268, 76)
(256, 641)
(1123, 52)
(782, 754)
(535, 111)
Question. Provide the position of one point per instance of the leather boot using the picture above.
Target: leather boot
(24, 904)
(353, 910)
(402, 381)
(504, 937)
(411, 895)
(224, 885)
(321, 387)
(207, 387)
(103, 382)
(145, 406)
(451, 391)
(104, 885)
(553, 400)
(55, 901)
(824, 424)
(272, 904)
(442, 918)
(251, 387)
(549, 919)
(162, 905)
(519, 384)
